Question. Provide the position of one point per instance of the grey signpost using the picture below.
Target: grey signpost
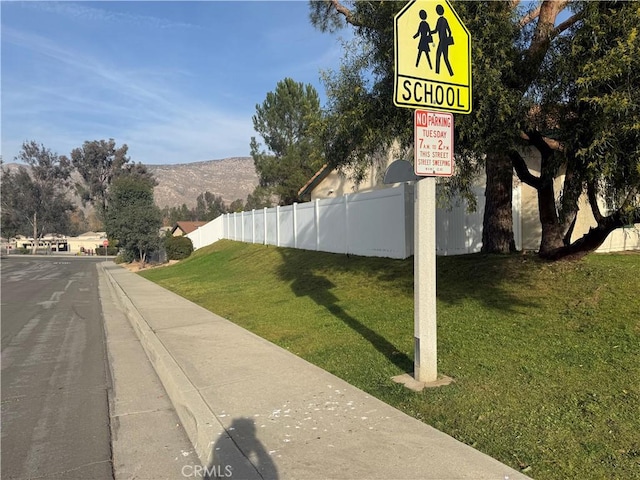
(433, 157)
(442, 92)
(424, 282)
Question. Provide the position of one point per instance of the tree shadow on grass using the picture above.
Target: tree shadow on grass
(306, 283)
(496, 282)
(505, 285)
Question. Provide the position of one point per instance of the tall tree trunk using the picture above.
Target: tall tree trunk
(34, 249)
(557, 226)
(552, 233)
(497, 231)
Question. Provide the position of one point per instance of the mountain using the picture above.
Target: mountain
(231, 178)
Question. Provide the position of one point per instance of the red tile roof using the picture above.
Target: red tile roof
(188, 227)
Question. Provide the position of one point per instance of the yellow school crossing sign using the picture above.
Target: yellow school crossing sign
(432, 58)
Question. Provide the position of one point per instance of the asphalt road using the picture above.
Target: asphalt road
(55, 381)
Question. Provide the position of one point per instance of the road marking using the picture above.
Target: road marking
(55, 298)
(14, 346)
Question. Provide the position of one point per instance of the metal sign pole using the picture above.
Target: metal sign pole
(440, 90)
(425, 324)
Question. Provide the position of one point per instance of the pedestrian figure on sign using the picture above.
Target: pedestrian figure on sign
(444, 40)
(424, 32)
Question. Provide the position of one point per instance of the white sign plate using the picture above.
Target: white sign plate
(433, 150)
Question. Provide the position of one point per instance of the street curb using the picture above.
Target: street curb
(198, 420)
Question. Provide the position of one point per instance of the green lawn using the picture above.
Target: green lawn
(545, 356)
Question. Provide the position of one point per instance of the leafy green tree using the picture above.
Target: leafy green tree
(534, 93)
(236, 206)
(590, 107)
(361, 119)
(287, 120)
(201, 207)
(172, 215)
(99, 162)
(521, 97)
(34, 200)
(512, 58)
(259, 198)
(132, 217)
(209, 206)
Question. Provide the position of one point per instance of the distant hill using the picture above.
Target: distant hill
(231, 178)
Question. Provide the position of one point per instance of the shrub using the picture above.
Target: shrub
(178, 247)
(110, 251)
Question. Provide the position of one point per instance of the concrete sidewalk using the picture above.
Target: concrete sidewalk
(254, 410)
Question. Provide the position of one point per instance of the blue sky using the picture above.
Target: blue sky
(177, 82)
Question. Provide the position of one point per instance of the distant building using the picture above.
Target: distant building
(184, 228)
(50, 242)
(87, 243)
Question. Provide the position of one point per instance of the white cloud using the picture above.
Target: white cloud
(86, 13)
(172, 90)
(94, 99)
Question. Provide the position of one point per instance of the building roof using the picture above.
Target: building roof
(94, 234)
(315, 180)
(187, 227)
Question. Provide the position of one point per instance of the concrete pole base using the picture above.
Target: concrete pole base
(417, 386)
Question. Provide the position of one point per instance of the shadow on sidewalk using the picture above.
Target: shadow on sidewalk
(228, 462)
(304, 282)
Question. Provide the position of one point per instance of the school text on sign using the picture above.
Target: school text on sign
(432, 58)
